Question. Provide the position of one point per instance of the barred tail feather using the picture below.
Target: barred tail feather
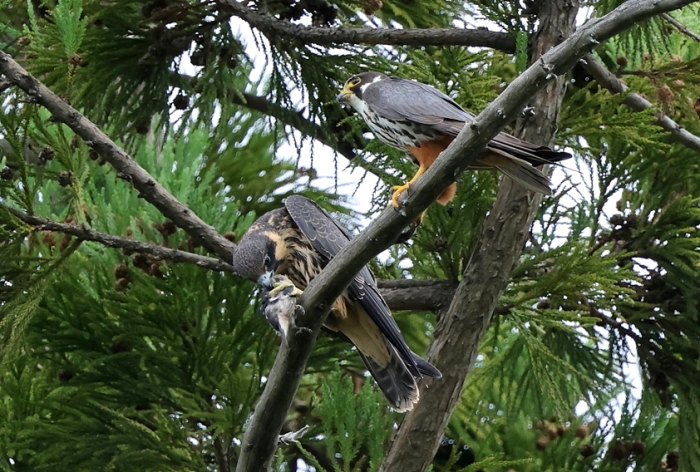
(395, 381)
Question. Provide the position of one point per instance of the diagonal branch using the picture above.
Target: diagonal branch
(638, 103)
(284, 116)
(127, 168)
(277, 29)
(680, 26)
(259, 442)
(109, 240)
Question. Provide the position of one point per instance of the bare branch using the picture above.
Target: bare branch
(285, 116)
(127, 168)
(130, 245)
(296, 121)
(417, 295)
(638, 103)
(487, 274)
(260, 439)
(413, 295)
(277, 29)
(4, 85)
(680, 26)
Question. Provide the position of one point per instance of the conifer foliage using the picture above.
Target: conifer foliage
(126, 343)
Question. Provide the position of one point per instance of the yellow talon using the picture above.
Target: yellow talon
(398, 190)
(281, 286)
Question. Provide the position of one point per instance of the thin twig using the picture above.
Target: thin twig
(129, 245)
(680, 26)
(638, 103)
(284, 116)
(639, 340)
(127, 168)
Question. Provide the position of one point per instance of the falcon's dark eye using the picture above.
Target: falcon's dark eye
(267, 261)
(354, 81)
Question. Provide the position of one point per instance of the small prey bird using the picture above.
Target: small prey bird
(280, 304)
(422, 121)
(298, 240)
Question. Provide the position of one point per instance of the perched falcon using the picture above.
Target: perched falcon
(298, 240)
(280, 304)
(422, 121)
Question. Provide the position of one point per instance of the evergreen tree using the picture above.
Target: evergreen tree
(126, 343)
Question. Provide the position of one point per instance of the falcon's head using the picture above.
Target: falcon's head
(256, 256)
(356, 85)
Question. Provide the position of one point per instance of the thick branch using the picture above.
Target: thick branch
(486, 275)
(281, 29)
(638, 103)
(259, 442)
(417, 295)
(127, 168)
(130, 245)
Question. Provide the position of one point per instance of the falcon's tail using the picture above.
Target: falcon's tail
(518, 170)
(425, 367)
(395, 381)
(395, 375)
(506, 144)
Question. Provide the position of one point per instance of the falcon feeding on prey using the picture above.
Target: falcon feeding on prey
(298, 240)
(422, 121)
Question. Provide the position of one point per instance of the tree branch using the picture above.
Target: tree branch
(127, 168)
(277, 29)
(638, 103)
(4, 85)
(259, 442)
(130, 245)
(487, 274)
(417, 295)
(296, 121)
(284, 116)
(680, 26)
(403, 294)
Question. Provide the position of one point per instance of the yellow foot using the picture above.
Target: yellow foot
(278, 287)
(398, 190)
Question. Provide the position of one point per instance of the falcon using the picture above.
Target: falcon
(298, 240)
(422, 121)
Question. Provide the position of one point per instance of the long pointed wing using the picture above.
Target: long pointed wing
(328, 237)
(401, 99)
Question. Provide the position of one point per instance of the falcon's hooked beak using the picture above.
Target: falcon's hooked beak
(344, 94)
(265, 280)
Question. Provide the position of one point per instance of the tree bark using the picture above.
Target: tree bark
(505, 230)
(276, 29)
